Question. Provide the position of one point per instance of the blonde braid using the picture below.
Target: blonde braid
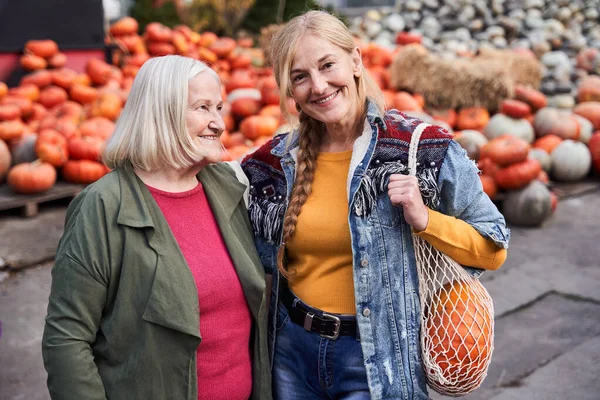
(310, 132)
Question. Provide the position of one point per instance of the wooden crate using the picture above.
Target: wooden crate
(29, 203)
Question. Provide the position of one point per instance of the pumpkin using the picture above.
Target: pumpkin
(241, 93)
(9, 112)
(571, 161)
(69, 110)
(58, 60)
(31, 62)
(542, 157)
(589, 110)
(41, 48)
(589, 89)
(553, 121)
(5, 159)
(124, 26)
(83, 171)
(23, 149)
(98, 70)
(51, 147)
(41, 78)
(66, 127)
(13, 129)
(230, 140)
(448, 116)
(501, 124)
(3, 89)
(505, 150)
(157, 32)
(86, 148)
(158, 49)
(256, 126)
(271, 111)
(53, 96)
(83, 94)
(404, 101)
(594, 146)
(30, 178)
(461, 335)
(98, 127)
(534, 98)
(488, 167)
(515, 108)
(543, 177)
(245, 107)
(39, 113)
(23, 103)
(547, 143)
(472, 118)
(27, 90)
(107, 105)
(529, 206)
(518, 175)
(222, 47)
(269, 90)
(489, 185)
(585, 128)
(240, 78)
(63, 77)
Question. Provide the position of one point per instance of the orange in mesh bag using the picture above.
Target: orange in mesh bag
(457, 318)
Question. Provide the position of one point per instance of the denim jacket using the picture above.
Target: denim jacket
(385, 275)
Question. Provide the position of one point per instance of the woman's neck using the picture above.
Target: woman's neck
(170, 180)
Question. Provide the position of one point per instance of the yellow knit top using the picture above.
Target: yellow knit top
(320, 251)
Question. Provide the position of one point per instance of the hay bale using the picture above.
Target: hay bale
(456, 83)
(523, 68)
(264, 41)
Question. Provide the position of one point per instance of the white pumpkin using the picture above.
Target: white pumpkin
(243, 93)
(571, 161)
(542, 157)
(586, 129)
(472, 141)
(529, 206)
(501, 124)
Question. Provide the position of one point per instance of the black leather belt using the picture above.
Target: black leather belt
(327, 325)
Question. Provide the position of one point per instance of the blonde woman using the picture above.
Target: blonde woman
(157, 289)
(332, 209)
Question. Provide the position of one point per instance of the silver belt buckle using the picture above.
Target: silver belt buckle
(337, 324)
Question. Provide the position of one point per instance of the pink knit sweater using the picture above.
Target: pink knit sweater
(224, 360)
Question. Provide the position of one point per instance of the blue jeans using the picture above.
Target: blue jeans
(308, 366)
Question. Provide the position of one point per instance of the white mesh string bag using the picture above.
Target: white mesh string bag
(457, 315)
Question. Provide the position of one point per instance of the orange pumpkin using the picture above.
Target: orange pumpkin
(31, 62)
(256, 126)
(505, 150)
(53, 96)
(83, 94)
(534, 98)
(245, 107)
(547, 143)
(107, 105)
(3, 89)
(461, 335)
(64, 77)
(41, 78)
(594, 145)
(42, 48)
(86, 148)
(99, 71)
(448, 116)
(66, 127)
(39, 112)
(518, 175)
(58, 60)
(208, 38)
(589, 110)
(51, 147)
(158, 49)
(222, 47)
(69, 110)
(12, 129)
(515, 108)
(26, 90)
(9, 112)
(23, 103)
(404, 101)
(124, 26)
(30, 178)
(489, 185)
(83, 171)
(589, 89)
(475, 118)
(269, 90)
(97, 127)
(157, 32)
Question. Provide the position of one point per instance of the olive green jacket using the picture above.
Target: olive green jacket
(123, 319)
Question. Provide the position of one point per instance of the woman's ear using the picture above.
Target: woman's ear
(357, 61)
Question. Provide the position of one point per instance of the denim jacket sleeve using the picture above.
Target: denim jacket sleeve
(462, 196)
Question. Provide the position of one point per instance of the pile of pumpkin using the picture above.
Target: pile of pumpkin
(526, 144)
(54, 123)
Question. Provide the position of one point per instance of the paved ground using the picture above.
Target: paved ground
(547, 300)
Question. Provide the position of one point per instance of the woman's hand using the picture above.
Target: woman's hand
(404, 192)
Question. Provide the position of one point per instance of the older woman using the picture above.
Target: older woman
(333, 211)
(157, 289)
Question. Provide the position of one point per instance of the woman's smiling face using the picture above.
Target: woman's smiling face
(204, 120)
(323, 81)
